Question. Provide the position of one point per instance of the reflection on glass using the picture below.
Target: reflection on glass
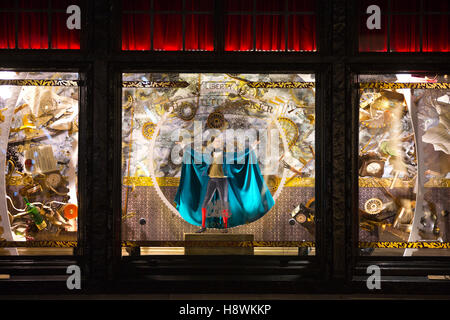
(224, 156)
(404, 171)
(39, 144)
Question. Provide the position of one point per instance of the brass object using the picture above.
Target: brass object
(148, 129)
(284, 85)
(290, 130)
(129, 102)
(154, 84)
(39, 83)
(373, 206)
(186, 111)
(371, 165)
(407, 85)
(216, 120)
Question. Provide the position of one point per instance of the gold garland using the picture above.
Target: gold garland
(175, 181)
(386, 182)
(281, 85)
(406, 85)
(38, 244)
(180, 243)
(42, 83)
(406, 245)
(154, 84)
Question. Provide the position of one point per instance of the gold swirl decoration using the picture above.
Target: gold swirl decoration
(399, 183)
(281, 85)
(155, 84)
(175, 181)
(183, 243)
(405, 85)
(38, 244)
(147, 130)
(406, 245)
(41, 83)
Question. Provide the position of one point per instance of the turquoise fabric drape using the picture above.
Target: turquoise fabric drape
(248, 195)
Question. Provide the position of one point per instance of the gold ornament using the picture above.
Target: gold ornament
(216, 120)
(373, 206)
(148, 129)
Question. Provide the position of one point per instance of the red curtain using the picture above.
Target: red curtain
(405, 30)
(167, 27)
(33, 27)
(270, 33)
(199, 32)
(238, 33)
(302, 33)
(436, 33)
(168, 34)
(405, 33)
(7, 31)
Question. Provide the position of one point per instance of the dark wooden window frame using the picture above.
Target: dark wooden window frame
(336, 64)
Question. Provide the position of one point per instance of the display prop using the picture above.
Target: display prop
(214, 153)
(404, 164)
(39, 139)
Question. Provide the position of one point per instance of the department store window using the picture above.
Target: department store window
(209, 158)
(404, 26)
(39, 144)
(404, 157)
(39, 24)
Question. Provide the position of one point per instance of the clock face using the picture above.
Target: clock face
(373, 167)
(53, 180)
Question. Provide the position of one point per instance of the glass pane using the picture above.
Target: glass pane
(239, 5)
(372, 39)
(7, 31)
(405, 33)
(199, 5)
(136, 32)
(199, 32)
(437, 6)
(436, 33)
(64, 4)
(164, 5)
(270, 33)
(231, 153)
(168, 34)
(404, 172)
(63, 37)
(402, 6)
(302, 33)
(33, 30)
(302, 5)
(270, 6)
(33, 4)
(141, 5)
(39, 134)
(238, 33)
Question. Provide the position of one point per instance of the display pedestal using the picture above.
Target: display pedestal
(217, 250)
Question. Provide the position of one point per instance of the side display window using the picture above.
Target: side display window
(218, 163)
(39, 144)
(404, 165)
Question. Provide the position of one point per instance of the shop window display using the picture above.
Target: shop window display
(222, 160)
(404, 172)
(39, 144)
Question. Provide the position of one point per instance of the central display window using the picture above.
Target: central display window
(218, 163)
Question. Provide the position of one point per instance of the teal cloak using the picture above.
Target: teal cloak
(249, 197)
